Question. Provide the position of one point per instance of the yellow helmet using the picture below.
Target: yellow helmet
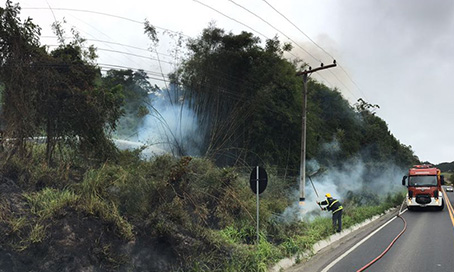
(328, 195)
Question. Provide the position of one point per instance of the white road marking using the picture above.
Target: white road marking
(328, 267)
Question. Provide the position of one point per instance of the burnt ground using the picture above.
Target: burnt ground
(75, 242)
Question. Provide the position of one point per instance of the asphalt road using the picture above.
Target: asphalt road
(426, 245)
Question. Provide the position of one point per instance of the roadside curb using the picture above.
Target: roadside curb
(289, 262)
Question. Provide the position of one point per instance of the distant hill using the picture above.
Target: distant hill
(446, 166)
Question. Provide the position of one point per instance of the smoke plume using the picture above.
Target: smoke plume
(357, 177)
(171, 127)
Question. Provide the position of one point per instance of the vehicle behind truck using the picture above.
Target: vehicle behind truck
(424, 187)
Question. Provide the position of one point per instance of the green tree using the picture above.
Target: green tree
(331, 120)
(58, 93)
(380, 144)
(77, 107)
(245, 94)
(19, 51)
(136, 89)
(250, 100)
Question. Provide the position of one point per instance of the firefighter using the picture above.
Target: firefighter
(335, 206)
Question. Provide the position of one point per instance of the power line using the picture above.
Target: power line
(104, 14)
(320, 75)
(348, 89)
(121, 52)
(259, 32)
(218, 74)
(235, 20)
(139, 22)
(316, 44)
(298, 28)
(102, 33)
(135, 21)
(115, 16)
(106, 65)
(265, 21)
(134, 55)
(125, 53)
(234, 96)
(114, 43)
(263, 35)
(351, 79)
(151, 75)
(275, 29)
(225, 76)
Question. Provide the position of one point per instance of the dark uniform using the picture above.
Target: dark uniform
(335, 206)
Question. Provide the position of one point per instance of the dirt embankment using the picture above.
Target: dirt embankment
(72, 241)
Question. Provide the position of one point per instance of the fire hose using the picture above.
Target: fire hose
(390, 245)
(313, 186)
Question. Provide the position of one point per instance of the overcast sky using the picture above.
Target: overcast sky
(397, 54)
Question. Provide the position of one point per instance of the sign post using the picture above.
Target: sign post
(258, 182)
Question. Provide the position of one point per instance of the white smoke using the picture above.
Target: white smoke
(332, 147)
(170, 127)
(354, 176)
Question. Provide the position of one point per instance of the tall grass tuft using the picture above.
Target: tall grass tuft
(48, 202)
(97, 197)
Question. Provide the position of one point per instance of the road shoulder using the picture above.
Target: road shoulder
(324, 252)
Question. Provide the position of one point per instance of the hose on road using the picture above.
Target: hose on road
(390, 245)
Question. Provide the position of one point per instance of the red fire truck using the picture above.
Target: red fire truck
(424, 187)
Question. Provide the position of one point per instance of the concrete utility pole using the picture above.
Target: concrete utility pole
(305, 75)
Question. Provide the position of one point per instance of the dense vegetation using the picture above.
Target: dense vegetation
(250, 100)
(55, 94)
(446, 166)
(80, 203)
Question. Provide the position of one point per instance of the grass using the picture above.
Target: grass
(87, 198)
(48, 202)
(293, 243)
(108, 212)
(17, 223)
(207, 212)
(37, 234)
